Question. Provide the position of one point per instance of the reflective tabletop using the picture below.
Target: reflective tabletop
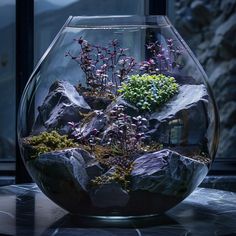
(25, 210)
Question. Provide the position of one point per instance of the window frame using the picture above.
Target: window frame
(24, 67)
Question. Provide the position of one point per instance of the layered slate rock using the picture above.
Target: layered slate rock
(110, 194)
(129, 109)
(74, 165)
(185, 107)
(167, 172)
(214, 46)
(64, 176)
(97, 103)
(188, 96)
(200, 11)
(97, 120)
(62, 104)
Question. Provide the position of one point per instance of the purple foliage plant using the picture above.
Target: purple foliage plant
(125, 132)
(105, 67)
(162, 59)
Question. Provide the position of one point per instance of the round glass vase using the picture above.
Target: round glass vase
(117, 119)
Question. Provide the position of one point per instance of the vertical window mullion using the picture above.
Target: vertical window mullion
(24, 65)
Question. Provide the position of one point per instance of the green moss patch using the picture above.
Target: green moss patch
(47, 142)
(148, 92)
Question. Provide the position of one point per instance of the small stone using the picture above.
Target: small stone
(63, 104)
(95, 121)
(93, 169)
(129, 109)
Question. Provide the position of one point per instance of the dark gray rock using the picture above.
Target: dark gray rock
(189, 25)
(222, 81)
(62, 104)
(188, 96)
(97, 103)
(183, 109)
(227, 7)
(200, 11)
(217, 51)
(228, 114)
(109, 195)
(228, 28)
(167, 172)
(220, 72)
(227, 31)
(96, 120)
(72, 165)
(129, 109)
(227, 142)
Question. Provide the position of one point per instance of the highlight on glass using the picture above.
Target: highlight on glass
(117, 118)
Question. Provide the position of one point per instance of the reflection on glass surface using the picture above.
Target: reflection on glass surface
(24, 210)
(117, 111)
(50, 15)
(7, 80)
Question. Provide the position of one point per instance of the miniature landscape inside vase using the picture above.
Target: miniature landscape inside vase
(118, 136)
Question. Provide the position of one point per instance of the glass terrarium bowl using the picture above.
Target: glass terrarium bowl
(117, 118)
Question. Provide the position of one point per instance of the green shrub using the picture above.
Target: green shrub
(147, 92)
(48, 142)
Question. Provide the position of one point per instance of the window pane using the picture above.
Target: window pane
(50, 15)
(7, 81)
(210, 28)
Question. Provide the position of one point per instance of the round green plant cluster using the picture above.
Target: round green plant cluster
(147, 92)
(47, 142)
